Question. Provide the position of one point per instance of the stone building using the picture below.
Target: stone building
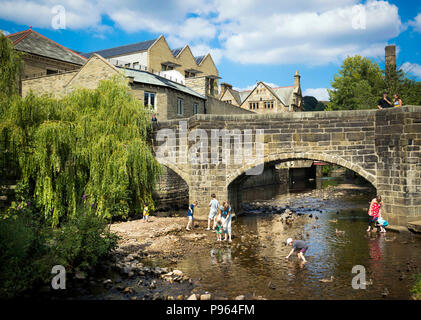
(265, 99)
(168, 99)
(43, 56)
(156, 56)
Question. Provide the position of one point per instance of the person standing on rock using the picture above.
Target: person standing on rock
(374, 212)
(214, 205)
(226, 219)
(298, 246)
(190, 213)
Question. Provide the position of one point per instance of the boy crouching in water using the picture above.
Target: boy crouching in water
(218, 227)
(190, 213)
(299, 246)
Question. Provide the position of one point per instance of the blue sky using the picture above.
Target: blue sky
(250, 40)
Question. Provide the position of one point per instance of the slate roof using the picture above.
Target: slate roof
(33, 42)
(175, 52)
(236, 95)
(126, 49)
(285, 94)
(199, 59)
(153, 79)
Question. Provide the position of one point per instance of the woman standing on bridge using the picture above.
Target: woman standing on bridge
(226, 219)
(374, 212)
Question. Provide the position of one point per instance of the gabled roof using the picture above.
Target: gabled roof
(153, 79)
(126, 49)
(33, 42)
(243, 95)
(236, 95)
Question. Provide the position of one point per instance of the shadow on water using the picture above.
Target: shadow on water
(255, 264)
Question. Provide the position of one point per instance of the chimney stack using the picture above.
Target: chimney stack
(390, 57)
(224, 87)
(297, 79)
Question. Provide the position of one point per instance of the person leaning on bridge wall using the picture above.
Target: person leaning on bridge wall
(397, 102)
(384, 102)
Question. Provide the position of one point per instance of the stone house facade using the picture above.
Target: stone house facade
(265, 99)
(168, 99)
(156, 56)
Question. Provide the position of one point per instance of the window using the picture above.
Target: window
(49, 71)
(195, 106)
(254, 105)
(127, 65)
(180, 107)
(135, 65)
(150, 100)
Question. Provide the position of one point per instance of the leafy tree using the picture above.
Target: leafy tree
(312, 104)
(89, 149)
(10, 67)
(358, 85)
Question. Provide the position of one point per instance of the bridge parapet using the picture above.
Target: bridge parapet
(383, 146)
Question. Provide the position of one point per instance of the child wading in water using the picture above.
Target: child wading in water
(146, 212)
(218, 228)
(298, 246)
(190, 215)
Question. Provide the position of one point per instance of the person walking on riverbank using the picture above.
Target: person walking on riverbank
(214, 205)
(226, 219)
(298, 246)
(190, 213)
(374, 212)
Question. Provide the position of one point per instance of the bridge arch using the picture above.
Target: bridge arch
(283, 157)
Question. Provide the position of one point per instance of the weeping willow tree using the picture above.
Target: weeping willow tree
(88, 149)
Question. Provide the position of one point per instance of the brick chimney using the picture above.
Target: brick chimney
(390, 57)
(224, 87)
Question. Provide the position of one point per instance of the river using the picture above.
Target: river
(256, 265)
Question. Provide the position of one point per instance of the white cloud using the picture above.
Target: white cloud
(412, 68)
(416, 23)
(5, 32)
(320, 94)
(247, 31)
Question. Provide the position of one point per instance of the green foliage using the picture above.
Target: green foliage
(358, 85)
(29, 249)
(416, 289)
(82, 241)
(312, 104)
(87, 150)
(10, 67)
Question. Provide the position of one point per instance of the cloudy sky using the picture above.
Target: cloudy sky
(250, 40)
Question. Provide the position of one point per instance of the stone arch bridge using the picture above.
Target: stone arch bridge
(383, 146)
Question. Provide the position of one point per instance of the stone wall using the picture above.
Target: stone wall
(383, 146)
(52, 84)
(36, 66)
(216, 106)
(172, 191)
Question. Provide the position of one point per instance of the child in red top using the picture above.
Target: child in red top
(374, 212)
